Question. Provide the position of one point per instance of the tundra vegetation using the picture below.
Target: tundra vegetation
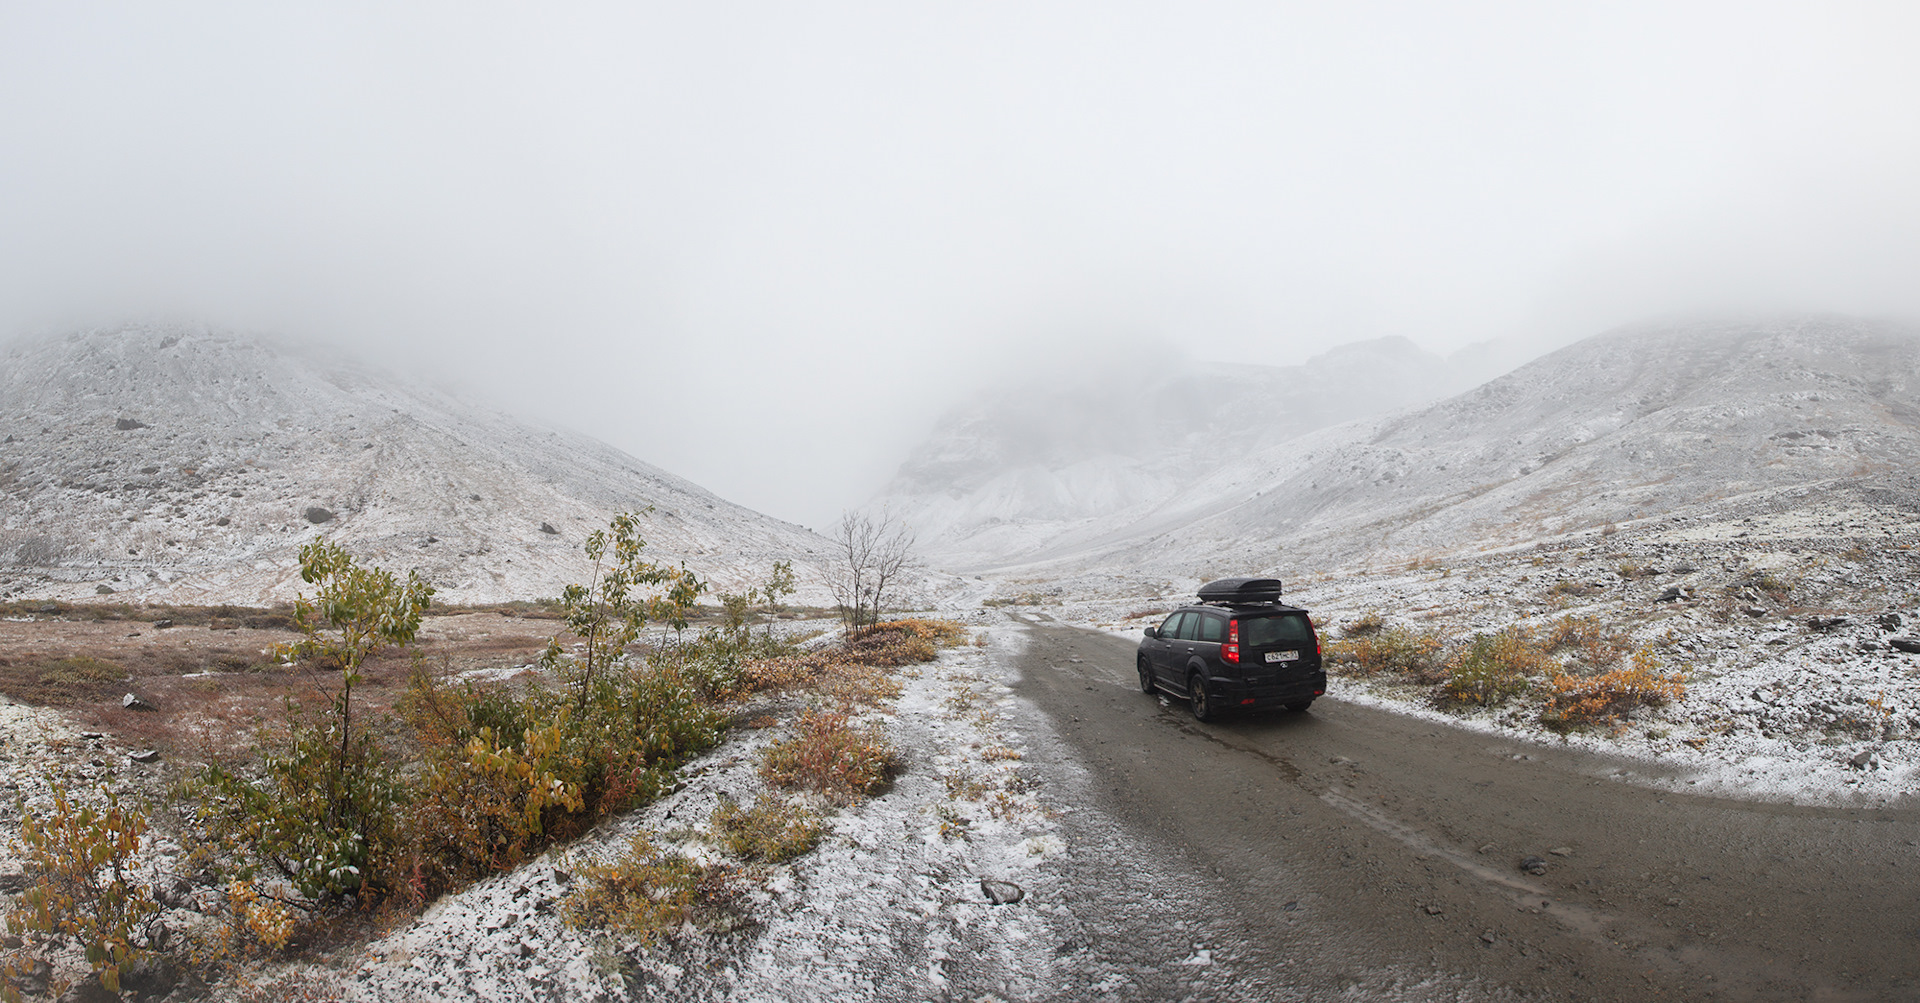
(339, 813)
(1577, 672)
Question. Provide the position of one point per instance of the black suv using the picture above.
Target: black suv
(1239, 647)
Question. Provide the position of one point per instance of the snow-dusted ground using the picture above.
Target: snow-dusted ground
(1782, 702)
(884, 907)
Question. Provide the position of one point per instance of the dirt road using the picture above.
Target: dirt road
(1348, 840)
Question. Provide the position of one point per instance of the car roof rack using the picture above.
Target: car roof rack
(1241, 591)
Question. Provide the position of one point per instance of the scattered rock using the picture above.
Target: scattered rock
(223, 521)
(317, 515)
(1826, 622)
(162, 624)
(103, 589)
(1864, 758)
(1488, 848)
(144, 755)
(13, 883)
(1910, 645)
(1889, 621)
(1675, 593)
(1434, 910)
(473, 497)
(1682, 569)
(1487, 936)
(1753, 610)
(1002, 892)
(1562, 851)
(547, 527)
(1534, 865)
(129, 424)
(133, 701)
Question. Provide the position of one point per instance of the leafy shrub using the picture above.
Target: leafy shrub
(770, 832)
(81, 894)
(508, 773)
(297, 818)
(1574, 700)
(649, 891)
(321, 811)
(1395, 650)
(829, 755)
(1491, 668)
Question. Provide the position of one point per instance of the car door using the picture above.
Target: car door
(1205, 632)
(1162, 652)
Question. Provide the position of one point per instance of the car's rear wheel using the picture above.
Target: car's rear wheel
(1300, 706)
(1146, 675)
(1197, 698)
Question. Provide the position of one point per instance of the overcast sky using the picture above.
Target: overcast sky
(764, 245)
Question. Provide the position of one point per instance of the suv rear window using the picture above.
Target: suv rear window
(1285, 628)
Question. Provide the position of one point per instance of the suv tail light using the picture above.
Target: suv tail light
(1230, 651)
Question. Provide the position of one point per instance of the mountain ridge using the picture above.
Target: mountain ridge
(191, 463)
(1645, 420)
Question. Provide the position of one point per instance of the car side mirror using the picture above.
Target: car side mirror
(1153, 632)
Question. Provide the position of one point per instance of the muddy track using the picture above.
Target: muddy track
(1391, 841)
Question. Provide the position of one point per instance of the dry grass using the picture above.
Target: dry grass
(1369, 623)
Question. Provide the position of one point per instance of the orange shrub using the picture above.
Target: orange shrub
(1572, 701)
(830, 755)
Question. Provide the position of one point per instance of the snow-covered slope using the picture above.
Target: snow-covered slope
(1036, 466)
(188, 465)
(1640, 422)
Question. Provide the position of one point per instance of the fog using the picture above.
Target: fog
(765, 245)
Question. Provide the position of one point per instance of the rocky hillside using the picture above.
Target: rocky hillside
(185, 466)
(1653, 421)
(1033, 466)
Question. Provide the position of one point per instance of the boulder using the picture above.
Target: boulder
(133, 701)
(317, 515)
(1001, 892)
(129, 424)
(1910, 645)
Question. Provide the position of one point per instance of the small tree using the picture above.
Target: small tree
(357, 611)
(870, 556)
(607, 614)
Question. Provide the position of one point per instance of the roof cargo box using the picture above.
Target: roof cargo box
(1241, 591)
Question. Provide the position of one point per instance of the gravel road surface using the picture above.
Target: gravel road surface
(1357, 853)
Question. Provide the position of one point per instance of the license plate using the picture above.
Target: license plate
(1283, 656)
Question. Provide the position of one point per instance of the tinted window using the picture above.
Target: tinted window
(1170, 631)
(1212, 628)
(1266, 631)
